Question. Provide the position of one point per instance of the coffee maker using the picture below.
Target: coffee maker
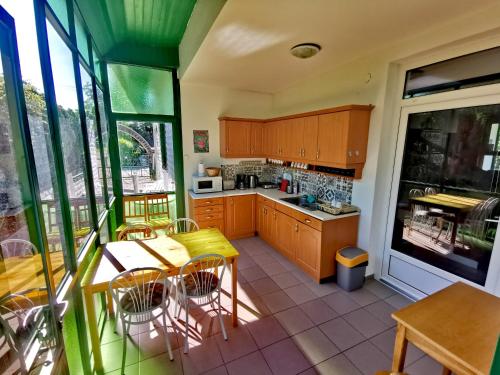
(240, 181)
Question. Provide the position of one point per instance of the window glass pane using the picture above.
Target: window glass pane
(71, 135)
(144, 168)
(25, 319)
(136, 89)
(81, 39)
(41, 142)
(97, 63)
(105, 141)
(475, 69)
(61, 11)
(94, 144)
(449, 190)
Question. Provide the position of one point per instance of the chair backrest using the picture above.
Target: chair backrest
(200, 273)
(135, 208)
(475, 221)
(157, 206)
(182, 225)
(430, 190)
(415, 193)
(140, 231)
(17, 248)
(139, 287)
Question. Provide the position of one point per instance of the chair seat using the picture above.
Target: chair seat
(193, 281)
(159, 222)
(129, 302)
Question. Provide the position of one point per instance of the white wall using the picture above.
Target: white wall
(202, 105)
(372, 79)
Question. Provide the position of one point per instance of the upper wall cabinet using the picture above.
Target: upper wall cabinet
(334, 137)
(240, 138)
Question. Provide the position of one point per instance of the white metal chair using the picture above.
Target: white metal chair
(418, 212)
(139, 294)
(16, 247)
(475, 222)
(200, 280)
(139, 231)
(182, 225)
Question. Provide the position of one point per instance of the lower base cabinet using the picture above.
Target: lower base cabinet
(308, 242)
(307, 248)
(239, 216)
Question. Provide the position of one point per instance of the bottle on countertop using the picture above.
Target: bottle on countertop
(296, 187)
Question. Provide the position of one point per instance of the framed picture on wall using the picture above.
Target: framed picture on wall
(200, 141)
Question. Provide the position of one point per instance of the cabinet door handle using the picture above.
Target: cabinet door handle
(209, 217)
(356, 153)
(349, 153)
(209, 210)
(307, 221)
(227, 149)
(317, 154)
(303, 152)
(296, 227)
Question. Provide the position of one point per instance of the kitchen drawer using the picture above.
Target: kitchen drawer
(203, 202)
(285, 209)
(207, 224)
(205, 210)
(210, 216)
(266, 201)
(308, 220)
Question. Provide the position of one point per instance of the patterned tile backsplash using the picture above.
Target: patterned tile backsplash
(324, 187)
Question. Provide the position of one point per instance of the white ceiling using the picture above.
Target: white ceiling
(248, 45)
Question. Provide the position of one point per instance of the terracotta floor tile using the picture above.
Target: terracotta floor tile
(285, 280)
(300, 294)
(382, 310)
(398, 301)
(266, 331)
(341, 333)
(363, 297)
(322, 290)
(365, 323)
(318, 311)
(273, 268)
(251, 364)
(385, 342)
(341, 303)
(285, 357)
(278, 301)
(379, 289)
(294, 320)
(315, 346)
(240, 343)
(367, 358)
(203, 357)
(265, 286)
(253, 273)
(338, 365)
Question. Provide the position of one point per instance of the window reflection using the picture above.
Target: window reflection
(448, 198)
(71, 135)
(94, 144)
(105, 141)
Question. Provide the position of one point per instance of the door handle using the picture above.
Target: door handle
(307, 221)
(356, 153)
(349, 153)
(317, 154)
(296, 227)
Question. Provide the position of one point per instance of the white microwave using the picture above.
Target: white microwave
(207, 184)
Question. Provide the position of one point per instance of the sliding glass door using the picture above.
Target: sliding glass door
(445, 197)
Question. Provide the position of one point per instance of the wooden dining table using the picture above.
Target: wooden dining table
(167, 253)
(457, 206)
(458, 326)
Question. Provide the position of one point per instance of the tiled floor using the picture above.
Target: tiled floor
(288, 325)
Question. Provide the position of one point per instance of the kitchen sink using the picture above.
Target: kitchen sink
(296, 201)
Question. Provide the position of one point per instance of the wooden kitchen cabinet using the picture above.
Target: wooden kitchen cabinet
(307, 248)
(342, 138)
(207, 212)
(239, 216)
(285, 230)
(235, 138)
(256, 139)
(310, 139)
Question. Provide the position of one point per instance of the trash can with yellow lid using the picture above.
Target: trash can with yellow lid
(351, 267)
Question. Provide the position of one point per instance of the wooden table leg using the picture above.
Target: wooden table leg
(109, 304)
(446, 371)
(234, 290)
(93, 330)
(400, 345)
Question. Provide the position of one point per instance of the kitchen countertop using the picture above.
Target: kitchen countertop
(275, 195)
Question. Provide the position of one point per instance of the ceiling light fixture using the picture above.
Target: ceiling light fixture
(305, 50)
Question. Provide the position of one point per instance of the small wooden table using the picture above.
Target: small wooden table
(457, 326)
(167, 253)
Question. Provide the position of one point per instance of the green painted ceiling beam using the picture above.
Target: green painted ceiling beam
(146, 32)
